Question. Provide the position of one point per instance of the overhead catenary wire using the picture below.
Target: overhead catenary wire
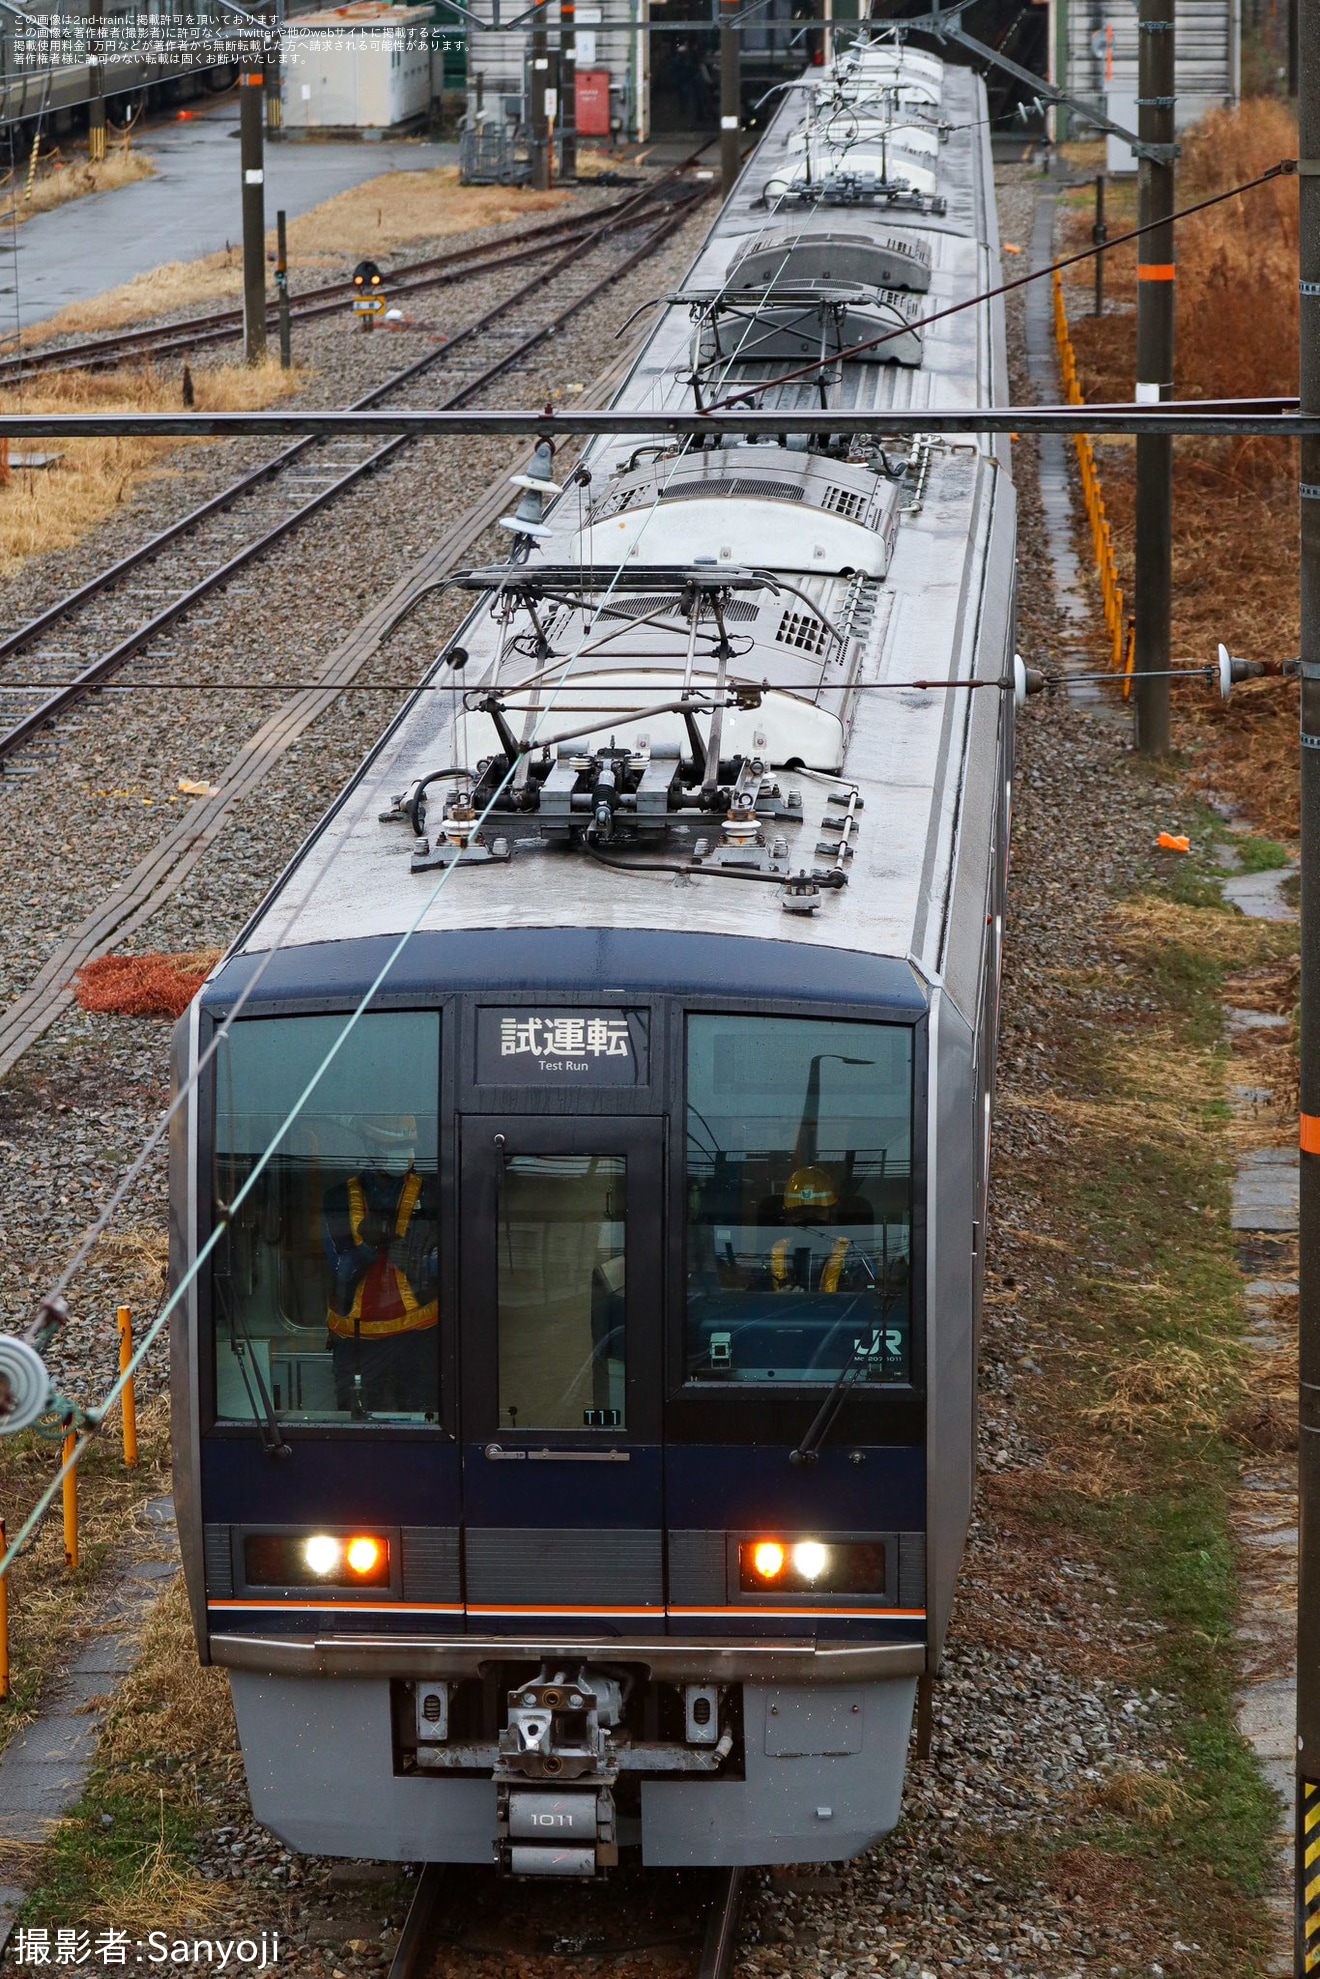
(1285, 168)
(94, 1417)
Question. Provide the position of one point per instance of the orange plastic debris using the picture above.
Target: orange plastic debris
(1169, 843)
(1010, 247)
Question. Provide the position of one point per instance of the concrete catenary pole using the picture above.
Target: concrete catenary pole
(540, 83)
(567, 89)
(251, 158)
(1308, 1317)
(730, 97)
(1155, 316)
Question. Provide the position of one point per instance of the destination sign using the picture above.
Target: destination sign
(562, 1047)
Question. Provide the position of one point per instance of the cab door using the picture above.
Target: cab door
(560, 1309)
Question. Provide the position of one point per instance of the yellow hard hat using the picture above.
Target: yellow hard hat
(810, 1188)
(388, 1133)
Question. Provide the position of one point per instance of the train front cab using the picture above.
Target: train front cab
(644, 1456)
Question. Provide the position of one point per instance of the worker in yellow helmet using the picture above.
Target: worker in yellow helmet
(810, 1201)
(380, 1243)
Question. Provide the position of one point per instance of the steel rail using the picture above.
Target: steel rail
(33, 629)
(416, 1946)
(415, 1940)
(721, 1939)
(102, 353)
(23, 732)
(163, 870)
(1189, 419)
(413, 277)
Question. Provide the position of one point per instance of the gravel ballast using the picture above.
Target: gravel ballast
(1038, 1705)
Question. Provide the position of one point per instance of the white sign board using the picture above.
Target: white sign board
(1120, 158)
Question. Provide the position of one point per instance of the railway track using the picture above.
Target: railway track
(331, 299)
(81, 642)
(683, 1924)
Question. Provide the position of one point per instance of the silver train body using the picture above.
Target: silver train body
(575, 1419)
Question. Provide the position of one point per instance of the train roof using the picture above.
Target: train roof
(826, 580)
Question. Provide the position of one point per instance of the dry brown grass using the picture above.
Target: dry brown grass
(165, 1894)
(371, 220)
(1235, 532)
(61, 179)
(1152, 1800)
(1167, 1387)
(47, 1602)
(50, 508)
(141, 1257)
(1237, 272)
(169, 1705)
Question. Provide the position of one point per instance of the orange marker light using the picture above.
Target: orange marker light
(768, 1559)
(363, 1555)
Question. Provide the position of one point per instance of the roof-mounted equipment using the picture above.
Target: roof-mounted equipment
(805, 321)
(785, 256)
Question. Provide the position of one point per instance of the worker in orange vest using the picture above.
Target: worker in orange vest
(380, 1229)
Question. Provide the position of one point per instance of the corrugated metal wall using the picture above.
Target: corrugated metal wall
(501, 59)
(1208, 59)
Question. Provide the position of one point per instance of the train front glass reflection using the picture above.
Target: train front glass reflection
(325, 1285)
(561, 1291)
(799, 1200)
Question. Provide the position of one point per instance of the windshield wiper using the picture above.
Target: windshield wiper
(249, 1367)
(822, 1422)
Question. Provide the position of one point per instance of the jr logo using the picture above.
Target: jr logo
(890, 1341)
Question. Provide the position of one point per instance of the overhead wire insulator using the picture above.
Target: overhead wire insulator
(26, 1389)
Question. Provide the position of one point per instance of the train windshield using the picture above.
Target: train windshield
(560, 1249)
(799, 1200)
(326, 1282)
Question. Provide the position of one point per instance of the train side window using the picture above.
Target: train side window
(326, 1282)
(561, 1291)
(799, 1200)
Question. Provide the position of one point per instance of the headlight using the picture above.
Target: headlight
(322, 1553)
(364, 1555)
(814, 1566)
(316, 1559)
(768, 1558)
(810, 1559)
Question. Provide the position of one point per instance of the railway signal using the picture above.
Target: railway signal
(368, 293)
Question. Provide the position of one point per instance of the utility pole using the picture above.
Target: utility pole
(1155, 316)
(251, 95)
(540, 80)
(730, 97)
(568, 89)
(1307, 1870)
(96, 77)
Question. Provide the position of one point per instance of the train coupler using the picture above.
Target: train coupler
(548, 1833)
(559, 1727)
